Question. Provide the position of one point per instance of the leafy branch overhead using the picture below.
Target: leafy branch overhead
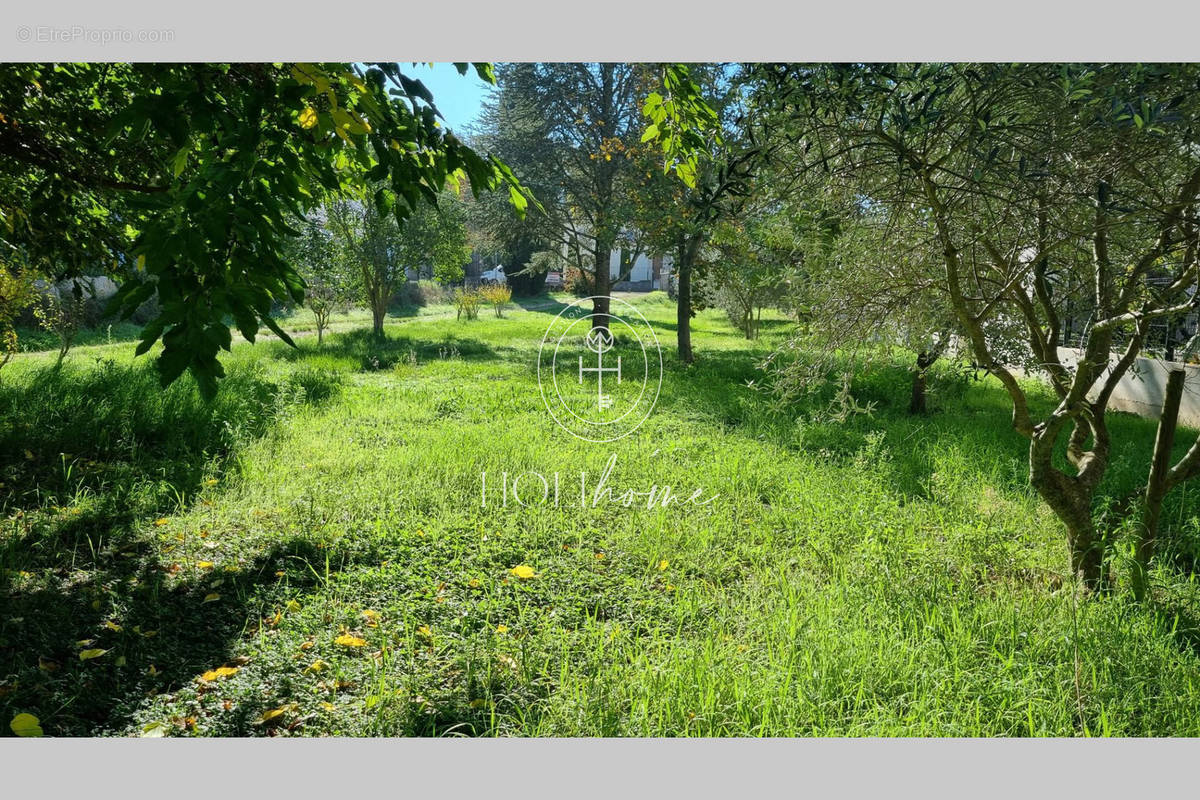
(189, 179)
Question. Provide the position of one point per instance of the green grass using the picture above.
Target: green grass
(886, 576)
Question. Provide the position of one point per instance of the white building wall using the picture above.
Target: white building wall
(643, 268)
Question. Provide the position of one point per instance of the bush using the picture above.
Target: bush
(63, 316)
(466, 302)
(497, 295)
(578, 282)
(424, 293)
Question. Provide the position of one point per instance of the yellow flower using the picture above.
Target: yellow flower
(161, 521)
(346, 640)
(473, 583)
(424, 631)
(662, 565)
(524, 572)
(316, 666)
(599, 556)
(204, 564)
(211, 482)
(501, 629)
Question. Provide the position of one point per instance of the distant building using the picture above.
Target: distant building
(646, 274)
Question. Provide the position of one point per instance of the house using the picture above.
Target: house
(646, 274)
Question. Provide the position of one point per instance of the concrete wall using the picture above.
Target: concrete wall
(1141, 389)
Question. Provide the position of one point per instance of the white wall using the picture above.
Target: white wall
(1140, 391)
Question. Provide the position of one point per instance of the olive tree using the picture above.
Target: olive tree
(1040, 184)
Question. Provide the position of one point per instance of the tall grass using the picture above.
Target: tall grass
(888, 575)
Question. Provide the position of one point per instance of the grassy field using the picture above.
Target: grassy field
(309, 555)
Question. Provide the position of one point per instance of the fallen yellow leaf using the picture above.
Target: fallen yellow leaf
(211, 597)
(219, 672)
(26, 725)
(316, 666)
(95, 652)
(205, 564)
(346, 640)
(161, 521)
(274, 713)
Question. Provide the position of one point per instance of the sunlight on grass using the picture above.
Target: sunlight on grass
(324, 563)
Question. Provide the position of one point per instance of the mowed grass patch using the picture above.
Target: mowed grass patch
(323, 561)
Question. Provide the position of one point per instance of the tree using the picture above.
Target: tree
(747, 266)
(188, 178)
(382, 249)
(16, 294)
(436, 237)
(709, 143)
(62, 316)
(571, 128)
(368, 243)
(322, 266)
(1041, 184)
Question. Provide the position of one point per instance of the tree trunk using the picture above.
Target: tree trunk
(1071, 502)
(683, 290)
(378, 312)
(602, 285)
(917, 404)
(1156, 484)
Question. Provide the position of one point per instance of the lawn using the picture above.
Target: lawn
(309, 554)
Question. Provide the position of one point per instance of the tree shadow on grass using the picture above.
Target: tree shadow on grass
(369, 353)
(88, 456)
(157, 633)
(541, 304)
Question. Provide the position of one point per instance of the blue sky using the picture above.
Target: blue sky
(458, 97)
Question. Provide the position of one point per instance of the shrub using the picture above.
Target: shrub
(63, 316)
(466, 302)
(497, 295)
(16, 292)
(578, 282)
(425, 293)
